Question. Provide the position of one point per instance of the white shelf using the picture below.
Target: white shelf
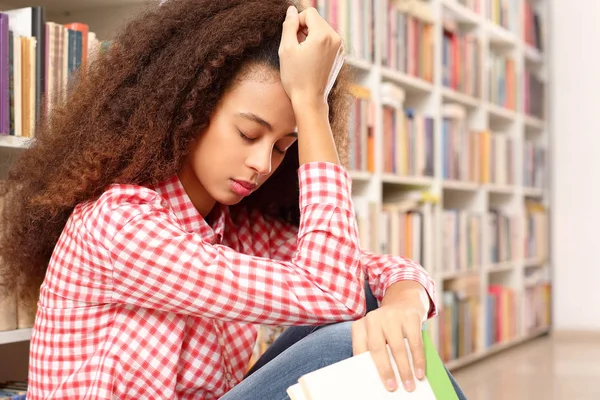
(495, 348)
(15, 142)
(499, 36)
(533, 123)
(460, 13)
(500, 114)
(407, 82)
(407, 180)
(19, 335)
(451, 95)
(532, 54)
(533, 192)
(446, 275)
(534, 262)
(360, 176)
(359, 64)
(460, 185)
(502, 267)
(493, 188)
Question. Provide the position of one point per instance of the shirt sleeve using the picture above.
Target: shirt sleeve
(381, 270)
(157, 264)
(384, 270)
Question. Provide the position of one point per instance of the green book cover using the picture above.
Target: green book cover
(436, 372)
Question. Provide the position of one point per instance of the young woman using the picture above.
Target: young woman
(189, 190)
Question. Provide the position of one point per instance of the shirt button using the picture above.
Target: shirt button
(228, 376)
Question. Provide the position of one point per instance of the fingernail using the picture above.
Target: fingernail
(420, 373)
(292, 10)
(391, 384)
(408, 385)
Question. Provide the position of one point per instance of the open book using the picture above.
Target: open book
(357, 378)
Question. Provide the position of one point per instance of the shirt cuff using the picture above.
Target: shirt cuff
(325, 183)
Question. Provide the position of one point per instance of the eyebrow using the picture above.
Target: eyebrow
(255, 118)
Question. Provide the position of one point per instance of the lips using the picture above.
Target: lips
(246, 184)
(242, 188)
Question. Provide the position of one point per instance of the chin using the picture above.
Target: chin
(229, 199)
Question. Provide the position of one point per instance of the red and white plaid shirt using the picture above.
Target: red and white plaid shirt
(144, 300)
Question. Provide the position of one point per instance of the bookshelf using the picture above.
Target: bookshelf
(514, 187)
(460, 201)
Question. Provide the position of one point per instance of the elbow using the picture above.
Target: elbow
(356, 305)
(359, 311)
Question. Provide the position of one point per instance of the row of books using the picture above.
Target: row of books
(482, 157)
(503, 236)
(402, 229)
(462, 233)
(459, 326)
(532, 29)
(502, 315)
(533, 95)
(503, 81)
(398, 227)
(462, 241)
(461, 60)
(354, 20)
(407, 43)
(537, 302)
(536, 231)
(504, 13)
(534, 165)
(37, 59)
(408, 144)
(407, 136)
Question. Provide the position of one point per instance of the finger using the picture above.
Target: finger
(398, 348)
(415, 342)
(380, 355)
(310, 19)
(302, 35)
(290, 26)
(359, 337)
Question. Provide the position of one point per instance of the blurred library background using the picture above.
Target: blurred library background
(469, 153)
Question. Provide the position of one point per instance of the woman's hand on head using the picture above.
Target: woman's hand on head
(308, 51)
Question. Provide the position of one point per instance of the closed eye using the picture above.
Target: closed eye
(249, 139)
(279, 150)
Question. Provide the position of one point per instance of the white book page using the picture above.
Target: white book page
(357, 378)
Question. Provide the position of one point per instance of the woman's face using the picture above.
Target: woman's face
(246, 141)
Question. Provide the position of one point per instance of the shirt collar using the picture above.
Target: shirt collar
(174, 193)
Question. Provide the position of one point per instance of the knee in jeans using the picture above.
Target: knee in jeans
(336, 338)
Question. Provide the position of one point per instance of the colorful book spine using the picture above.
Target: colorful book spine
(4, 76)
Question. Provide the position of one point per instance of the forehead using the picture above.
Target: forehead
(260, 91)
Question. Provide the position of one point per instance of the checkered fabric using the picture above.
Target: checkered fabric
(143, 299)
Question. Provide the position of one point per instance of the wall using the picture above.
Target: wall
(575, 93)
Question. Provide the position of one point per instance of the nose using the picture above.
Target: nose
(260, 159)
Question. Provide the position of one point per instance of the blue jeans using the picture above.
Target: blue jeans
(297, 351)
